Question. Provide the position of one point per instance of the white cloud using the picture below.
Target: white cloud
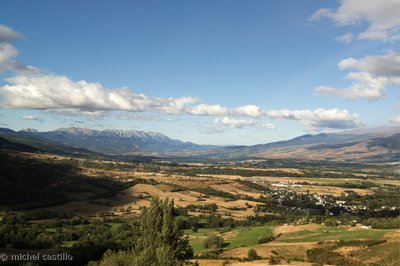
(345, 38)
(387, 65)
(144, 117)
(268, 126)
(212, 130)
(32, 118)
(33, 89)
(233, 122)
(375, 73)
(9, 52)
(205, 109)
(249, 110)
(7, 34)
(59, 92)
(319, 118)
(61, 95)
(241, 123)
(90, 114)
(364, 86)
(216, 110)
(172, 106)
(395, 120)
(382, 17)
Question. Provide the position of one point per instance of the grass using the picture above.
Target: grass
(114, 226)
(197, 238)
(248, 236)
(325, 233)
(68, 244)
(384, 254)
(238, 237)
(67, 229)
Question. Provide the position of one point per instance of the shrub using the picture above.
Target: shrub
(252, 255)
(273, 260)
(330, 222)
(214, 242)
(264, 239)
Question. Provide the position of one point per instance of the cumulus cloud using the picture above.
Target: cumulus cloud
(9, 52)
(387, 65)
(241, 123)
(144, 117)
(59, 92)
(172, 106)
(375, 73)
(62, 95)
(233, 122)
(382, 17)
(90, 114)
(268, 126)
(217, 110)
(206, 109)
(31, 88)
(7, 34)
(395, 120)
(363, 85)
(345, 38)
(320, 118)
(212, 130)
(32, 118)
(249, 110)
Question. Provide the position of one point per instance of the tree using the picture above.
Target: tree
(252, 255)
(160, 241)
(330, 222)
(214, 242)
(273, 260)
(264, 239)
(160, 238)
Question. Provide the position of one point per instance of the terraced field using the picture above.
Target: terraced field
(326, 233)
(238, 237)
(294, 241)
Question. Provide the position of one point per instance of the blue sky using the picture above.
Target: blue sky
(217, 72)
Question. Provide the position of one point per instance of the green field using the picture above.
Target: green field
(325, 233)
(238, 237)
(387, 253)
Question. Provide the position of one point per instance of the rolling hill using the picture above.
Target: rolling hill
(365, 145)
(111, 142)
(368, 145)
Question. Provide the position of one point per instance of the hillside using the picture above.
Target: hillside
(119, 142)
(374, 145)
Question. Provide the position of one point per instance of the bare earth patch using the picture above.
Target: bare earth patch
(393, 235)
(286, 229)
(204, 262)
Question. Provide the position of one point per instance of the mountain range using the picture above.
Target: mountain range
(365, 145)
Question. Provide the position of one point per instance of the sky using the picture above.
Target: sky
(223, 72)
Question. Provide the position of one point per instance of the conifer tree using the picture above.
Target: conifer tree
(160, 240)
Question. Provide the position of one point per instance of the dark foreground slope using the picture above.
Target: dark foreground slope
(28, 183)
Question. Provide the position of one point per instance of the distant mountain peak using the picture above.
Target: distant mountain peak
(116, 141)
(111, 133)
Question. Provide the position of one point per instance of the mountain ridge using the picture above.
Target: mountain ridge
(368, 145)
